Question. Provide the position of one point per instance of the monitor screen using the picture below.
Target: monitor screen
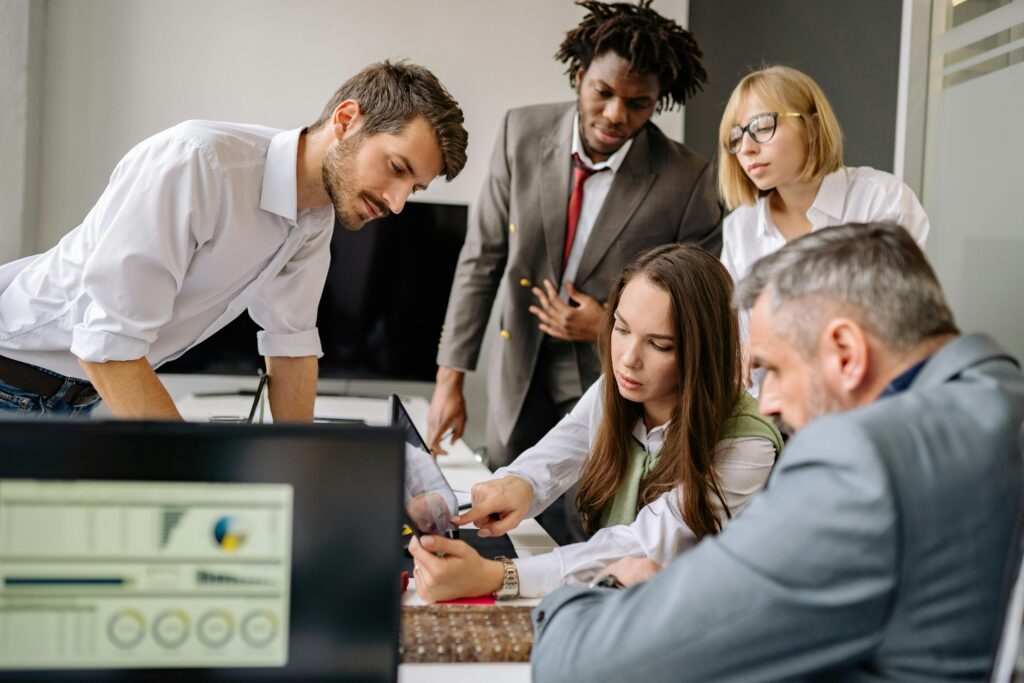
(170, 552)
(382, 308)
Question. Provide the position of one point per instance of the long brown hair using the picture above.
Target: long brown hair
(708, 371)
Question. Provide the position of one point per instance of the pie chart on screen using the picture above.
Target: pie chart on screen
(230, 533)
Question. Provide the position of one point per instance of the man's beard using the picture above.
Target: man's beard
(338, 173)
(820, 401)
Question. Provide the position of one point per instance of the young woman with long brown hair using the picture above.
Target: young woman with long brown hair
(666, 446)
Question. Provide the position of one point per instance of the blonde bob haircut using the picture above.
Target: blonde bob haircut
(780, 89)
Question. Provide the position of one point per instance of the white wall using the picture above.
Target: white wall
(973, 183)
(21, 41)
(118, 71)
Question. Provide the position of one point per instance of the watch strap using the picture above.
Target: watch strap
(510, 580)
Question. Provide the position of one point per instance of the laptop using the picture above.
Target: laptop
(430, 502)
(199, 552)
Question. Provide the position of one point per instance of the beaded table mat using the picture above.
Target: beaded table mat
(465, 633)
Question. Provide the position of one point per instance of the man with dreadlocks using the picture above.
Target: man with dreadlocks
(575, 191)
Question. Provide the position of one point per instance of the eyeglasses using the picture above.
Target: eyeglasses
(761, 129)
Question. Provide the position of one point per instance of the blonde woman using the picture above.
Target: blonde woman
(781, 171)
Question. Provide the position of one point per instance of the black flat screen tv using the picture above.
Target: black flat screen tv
(383, 305)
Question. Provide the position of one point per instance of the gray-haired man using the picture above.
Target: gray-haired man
(881, 549)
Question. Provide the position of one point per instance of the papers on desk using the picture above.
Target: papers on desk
(465, 501)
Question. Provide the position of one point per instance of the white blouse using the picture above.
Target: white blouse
(659, 532)
(849, 195)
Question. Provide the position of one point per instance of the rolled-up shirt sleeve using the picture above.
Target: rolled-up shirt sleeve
(157, 210)
(286, 308)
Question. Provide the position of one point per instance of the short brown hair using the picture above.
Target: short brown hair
(781, 89)
(391, 94)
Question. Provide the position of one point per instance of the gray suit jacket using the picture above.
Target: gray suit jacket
(880, 551)
(662, 193)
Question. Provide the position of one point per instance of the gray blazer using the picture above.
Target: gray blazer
(880, 551)
(662, 193)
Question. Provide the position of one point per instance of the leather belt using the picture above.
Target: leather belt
(31, 379)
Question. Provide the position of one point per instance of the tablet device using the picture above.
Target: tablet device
(429, 500)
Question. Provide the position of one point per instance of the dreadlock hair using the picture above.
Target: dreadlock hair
(651, 43)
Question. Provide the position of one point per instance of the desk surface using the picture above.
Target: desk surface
(460, 467)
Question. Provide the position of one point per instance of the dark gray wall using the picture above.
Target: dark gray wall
(850, 47)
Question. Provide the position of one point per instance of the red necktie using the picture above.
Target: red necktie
(580, 173)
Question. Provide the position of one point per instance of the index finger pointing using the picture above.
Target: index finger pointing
(472, 516)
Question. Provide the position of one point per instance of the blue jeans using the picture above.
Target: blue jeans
(15, 401)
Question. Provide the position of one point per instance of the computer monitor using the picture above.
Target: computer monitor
(382, 307)
(199, 552)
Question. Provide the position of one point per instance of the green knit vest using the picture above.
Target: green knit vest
(745, 421)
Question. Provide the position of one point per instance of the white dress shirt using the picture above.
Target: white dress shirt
(595, 190)
(197, 223)
(849, 195)
(659, 532)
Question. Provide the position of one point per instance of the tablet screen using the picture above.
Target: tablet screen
(430, 502)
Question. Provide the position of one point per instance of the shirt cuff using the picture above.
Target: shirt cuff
(98, 346)
(294, 344)
(539, 575)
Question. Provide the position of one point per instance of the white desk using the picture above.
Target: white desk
(459, 466)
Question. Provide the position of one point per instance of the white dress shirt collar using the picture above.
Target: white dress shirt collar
(830, 201)
(828, 208)
(652, 439)
(280, 187)
(613, 162)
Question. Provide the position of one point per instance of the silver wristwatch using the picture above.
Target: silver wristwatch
(510, 580)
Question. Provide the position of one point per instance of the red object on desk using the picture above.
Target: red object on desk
(478, 600)
(405, 581)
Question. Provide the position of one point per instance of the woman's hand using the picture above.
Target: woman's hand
(498, 505)
(459, 573)
(633, 570)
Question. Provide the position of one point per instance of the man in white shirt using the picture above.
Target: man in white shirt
(205, 220)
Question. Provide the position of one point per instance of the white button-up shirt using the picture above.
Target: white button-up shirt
(659, 532)
(197, 224)
(849, 195)
(595, 191)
